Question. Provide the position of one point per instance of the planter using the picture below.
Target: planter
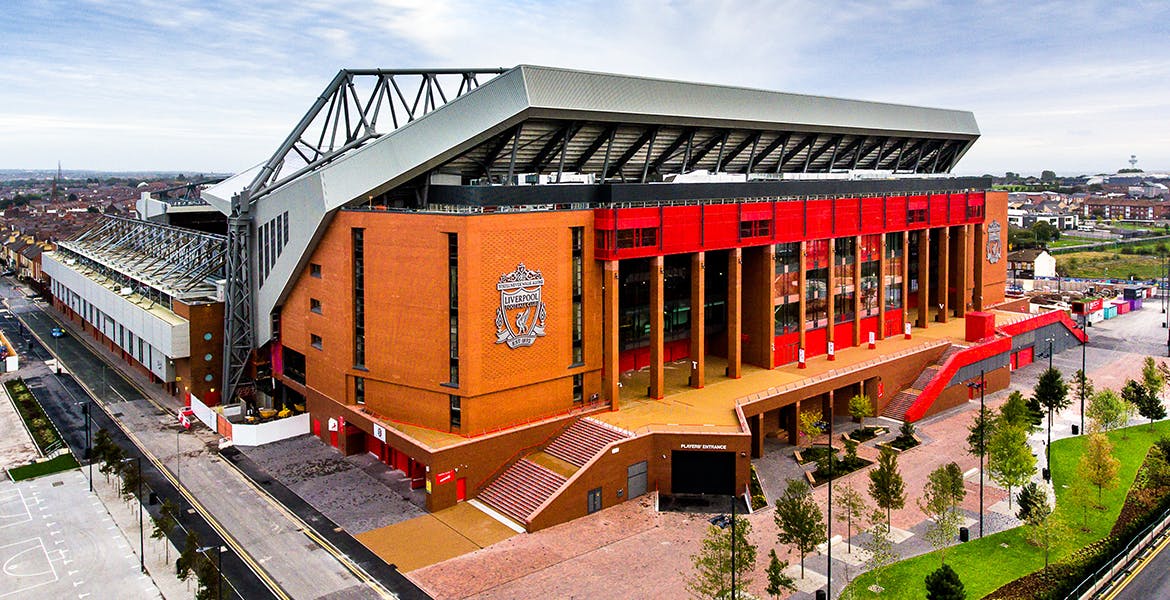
(908, 446)
(841, 469)
(812, 453)
(865, 434)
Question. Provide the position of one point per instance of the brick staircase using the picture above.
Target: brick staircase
(525, 485)
(583, 440)
(521, 489)
(904, 399)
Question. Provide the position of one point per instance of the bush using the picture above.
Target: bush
(864, 434)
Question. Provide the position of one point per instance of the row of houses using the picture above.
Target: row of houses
(21, 256)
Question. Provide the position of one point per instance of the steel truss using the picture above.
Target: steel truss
(346, 116)
(238, 313)
(176, 263)
(187, 194)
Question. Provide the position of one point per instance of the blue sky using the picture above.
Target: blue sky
(215, 86)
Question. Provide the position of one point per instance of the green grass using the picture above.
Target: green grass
(1074, 241)
(43, 433)
(984, 565)
(1093, 264)
(63, 462)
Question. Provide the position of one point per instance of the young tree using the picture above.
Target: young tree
(131, 479)
(185, 564)
(1098, 465)
(1106, 410)
(713, 566)
(112, 461)
(850, 449)
(102, 444)
(1145, 399)
(938, 504)
(886, 486)
(850, 506)
(166, 520)
(207, 577)
(979, 432)
(880, 547)
(1051, 394)
(944, 584)
(1080, 494)
(808, 426)
(1010, 461)
(1047, 534)
(860, 407)
(1015, 411)
(1033, 503)
(778, 582)
(1152, 377)
(906, 430)
(799, 520)
(952, 481)
(1082, 385)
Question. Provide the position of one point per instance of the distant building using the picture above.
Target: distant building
(1030, 264)
(1018, 217)
(1126, 208)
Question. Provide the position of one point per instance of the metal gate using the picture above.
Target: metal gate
(636, 479)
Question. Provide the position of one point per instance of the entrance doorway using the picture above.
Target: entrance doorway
(694, 472)
(636, 479)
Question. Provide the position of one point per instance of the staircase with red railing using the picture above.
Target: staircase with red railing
(906, 398)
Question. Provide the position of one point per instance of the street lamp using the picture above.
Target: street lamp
(981, 386)
(829, 524)
(141, 536)
(1084, 373)
(219, 566)
(1048, 449)
(88, 445)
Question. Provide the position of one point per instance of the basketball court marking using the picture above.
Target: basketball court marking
(24, 566)
(13, 508)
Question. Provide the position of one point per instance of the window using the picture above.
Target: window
(916, 215)
(578, 296)
(315, 270)
(578, 389)
(817, 298)
(315, 341)
(456, 411)
(453, 308)
(359, 298)
(359, 390)
(294, 364)
(594, 500)
(869, 289)
(315, 305)
(749, 229)
(637, 238)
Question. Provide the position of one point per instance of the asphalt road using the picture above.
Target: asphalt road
(64, 399)
(1150, 579)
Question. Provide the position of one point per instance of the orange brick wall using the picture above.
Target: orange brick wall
(407, 322)
(994, 275)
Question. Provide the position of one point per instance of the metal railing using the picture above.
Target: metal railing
(1106, 573)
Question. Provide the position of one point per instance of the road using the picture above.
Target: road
(264, 538)
(1150, 577)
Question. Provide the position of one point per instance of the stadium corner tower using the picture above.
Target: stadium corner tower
(549, 291)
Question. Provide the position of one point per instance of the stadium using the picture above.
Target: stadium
(548, 291)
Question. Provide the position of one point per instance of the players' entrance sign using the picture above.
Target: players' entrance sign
(520, 319)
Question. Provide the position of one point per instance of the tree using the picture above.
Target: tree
(860, 407)
(1080, 494)
(850, 506)
(131, 479)
(799, 520)
(1152, 377)
(979, 432)
(185, 564)
(1106, 410)
(1010, 461)
(1147, 403)
(1047, 534)
(1047, 176)
(1045, 232)
(906, 430)
(944, 584)
(1016, 411)
(112, 456)
(886, 486)
(207, 576)
(712, 577)
(808, 425)
(1051, 394)
(163, 524)
(778, 582)
(939, 501)
(1033, 503)
(880, 547)
(1098, 466)
(1082, 385)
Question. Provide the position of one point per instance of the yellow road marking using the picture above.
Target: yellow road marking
(1141, 565)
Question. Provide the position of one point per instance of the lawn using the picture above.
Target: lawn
(1092, 264)
(984, 564)
(63, 462)
(1066, 240)
(43, 432)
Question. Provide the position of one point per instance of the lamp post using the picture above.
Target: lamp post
(981, 385)
(1048, 448)
(88, 444)
(219, 566)
(1084, 374)
(141, 536)
(829, 522)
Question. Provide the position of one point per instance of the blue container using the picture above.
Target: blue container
(1110, 311)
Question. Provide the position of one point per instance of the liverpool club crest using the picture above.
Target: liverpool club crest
(520, 319)
(994, 244)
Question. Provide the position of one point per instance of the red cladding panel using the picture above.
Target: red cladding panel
(843, 335)
(895, 213)
(872, 215)
(756, 211)
(938, 209)
(819, 219)
(894, 322)
(871, 247)
(980, 325)
(721, 223)
(789, 221)
(846, 221)
(815, 342)
(787, 347)
(958, 203)
(605, 218)
(867, 325)
(681, 229)
(637, 218)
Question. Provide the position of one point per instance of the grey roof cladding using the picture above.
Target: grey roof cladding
(708, 104)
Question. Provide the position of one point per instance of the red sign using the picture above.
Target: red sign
(185, 417)
(881, 389)
(444, 477)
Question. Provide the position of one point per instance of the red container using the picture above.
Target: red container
(980, 326)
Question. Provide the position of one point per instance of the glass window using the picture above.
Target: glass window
(315, 341)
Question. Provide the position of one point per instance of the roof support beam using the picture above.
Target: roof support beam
(813, 155)
(749, 141)
(707, 146)
(593, 147)
(630, 152)
(670, 149)
(780, 142)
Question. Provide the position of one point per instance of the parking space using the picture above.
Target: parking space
(58, 541)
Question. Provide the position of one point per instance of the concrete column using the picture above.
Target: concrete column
(944, 274)
(857, 292)
(657, 328)
(757, 423)
(734, 313)
(698, 319)
(978, 262)
(793, 432)
(610, 331)
(881, 292)
(923, 278)
(831, 302)
(962, 266)
(802, 289)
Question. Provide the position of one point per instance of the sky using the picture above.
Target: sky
(197, 86)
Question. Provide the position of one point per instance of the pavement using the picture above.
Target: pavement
(58, 541)
(266, 540)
